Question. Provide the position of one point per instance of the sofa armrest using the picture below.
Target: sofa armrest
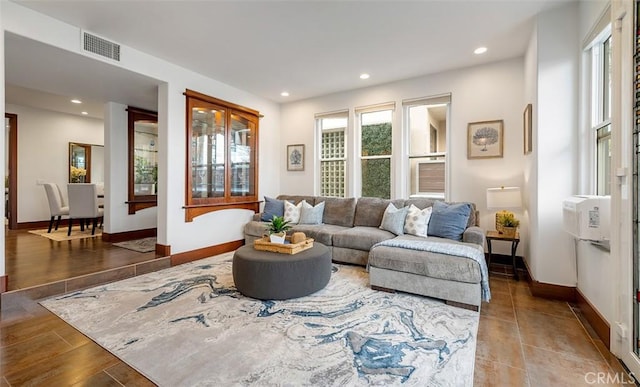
(474, 235)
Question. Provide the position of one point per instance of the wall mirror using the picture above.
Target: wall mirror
(143, 158)
(86, 163)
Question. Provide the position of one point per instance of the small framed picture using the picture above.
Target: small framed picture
(528, 130)
(485, 139)
(295, 157)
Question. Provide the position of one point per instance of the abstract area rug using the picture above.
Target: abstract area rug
(144, 245)
(61, 233)
(187, 326)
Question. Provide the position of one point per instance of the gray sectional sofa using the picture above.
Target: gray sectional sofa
(351, 229)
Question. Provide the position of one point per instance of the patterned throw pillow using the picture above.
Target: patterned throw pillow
(292, 212)
(393, 219)
(310, 214)
(417, 221)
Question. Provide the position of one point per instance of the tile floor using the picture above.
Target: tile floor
(529, 341)
(522, 341)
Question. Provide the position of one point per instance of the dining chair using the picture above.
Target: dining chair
(57, 205)
(83, 205)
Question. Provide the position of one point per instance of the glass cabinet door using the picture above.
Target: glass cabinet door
(143, 159)
(207, 151)
(222, 156)
(145, 156)
(242, 140)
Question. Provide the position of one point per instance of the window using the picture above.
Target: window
(426, 134)
(600, 53)
(375, 150)
(333, 156)
(222, 156)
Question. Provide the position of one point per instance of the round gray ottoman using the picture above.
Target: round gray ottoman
(273, 276)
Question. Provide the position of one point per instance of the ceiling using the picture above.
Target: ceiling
(308, 48)
(39, 75)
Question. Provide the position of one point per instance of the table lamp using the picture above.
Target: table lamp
(502, 199)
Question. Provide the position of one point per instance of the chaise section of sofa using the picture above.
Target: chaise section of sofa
(455, 279)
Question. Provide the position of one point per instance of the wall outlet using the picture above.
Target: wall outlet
(40, 182)
(621, 329)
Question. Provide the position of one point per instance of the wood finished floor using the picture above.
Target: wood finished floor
(522, 341)
(35, 260)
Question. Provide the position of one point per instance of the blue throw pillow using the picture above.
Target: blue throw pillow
(449, 220)
(272, 207)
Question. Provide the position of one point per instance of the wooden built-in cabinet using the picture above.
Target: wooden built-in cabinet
(143, 159)
(222, 156)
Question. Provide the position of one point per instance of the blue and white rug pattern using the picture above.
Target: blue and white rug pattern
(188, 326)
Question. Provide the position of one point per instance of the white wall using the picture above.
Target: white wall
(117, 217)
(529, 192)
(595, 266)
(97, 164)
(481, 93)
(43, 154)
(207, 230)
(555, 144)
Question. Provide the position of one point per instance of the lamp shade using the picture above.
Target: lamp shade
(503, 198)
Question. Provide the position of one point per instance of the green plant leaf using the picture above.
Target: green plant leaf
(278, 225)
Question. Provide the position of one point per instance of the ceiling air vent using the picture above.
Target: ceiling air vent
(99, 46)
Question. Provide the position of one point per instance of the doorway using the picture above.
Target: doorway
(11, 170)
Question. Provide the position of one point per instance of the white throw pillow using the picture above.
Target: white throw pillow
(393, 219)
(310, 214)
(417, 221)
(292, 212)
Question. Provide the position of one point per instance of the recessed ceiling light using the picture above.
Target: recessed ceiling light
(84, 113)
(364, 76)
(284, 94)
(76, 101)
(480, 50)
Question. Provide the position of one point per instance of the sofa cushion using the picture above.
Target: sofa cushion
(292, 212)
(424, 203)
(360, 238)
(322, 233)
(421, 203)
(338, 211)
(356, 257)
(256, 228)
(449, 220)
(417, 221)
(295, 199)
(425, 263)
(473, 216)
(272, 207)
(311, 214)
(369, 211)
(393, 219)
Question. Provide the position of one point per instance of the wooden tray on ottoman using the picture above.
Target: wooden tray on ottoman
(290, 248)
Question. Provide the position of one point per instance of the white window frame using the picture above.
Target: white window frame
(358, 148)
(597, 119)
(318, 165)
(441, 99)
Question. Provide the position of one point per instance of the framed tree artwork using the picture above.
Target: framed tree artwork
(485, 139)
(295, 157)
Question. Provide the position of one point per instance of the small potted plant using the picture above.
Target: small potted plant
(509, 224)
(278, 228)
